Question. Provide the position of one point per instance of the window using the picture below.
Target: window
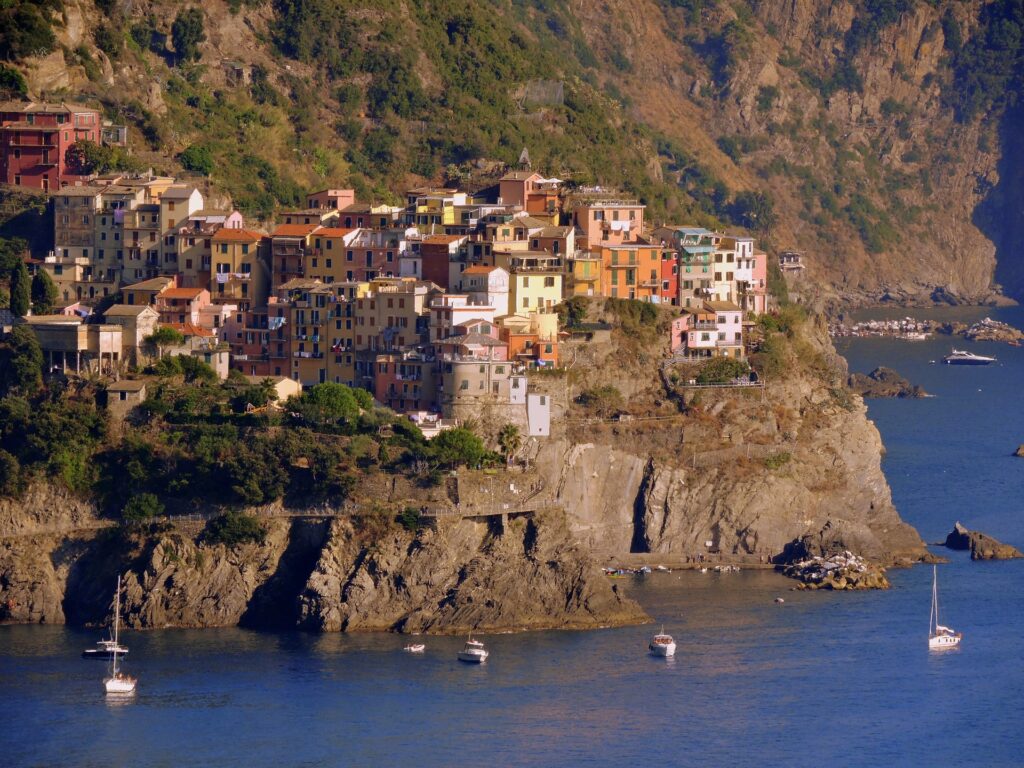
(223, 247)
(499, 369)
(245, 248)
(526, 303)
(464, 385)
(549, 282)
(526, 282)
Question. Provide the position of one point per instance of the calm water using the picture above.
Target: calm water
(839, 678)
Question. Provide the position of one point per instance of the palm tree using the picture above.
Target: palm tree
(510, 441)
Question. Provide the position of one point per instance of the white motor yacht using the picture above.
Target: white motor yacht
(662, 645)
(960, 357)
(473, 652)
(105, 650)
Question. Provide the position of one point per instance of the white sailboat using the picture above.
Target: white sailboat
(939, 637)
(118, 682)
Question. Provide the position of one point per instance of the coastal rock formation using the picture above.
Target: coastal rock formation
(884, 382)
(1020, 450)
(459, 577)
(982, 546)
(842, 571)
(740, 479)
(318, 574)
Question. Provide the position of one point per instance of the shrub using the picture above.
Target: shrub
(187, 33)
(234, 528)
(777, 460)
(142, 506)
(12, 83)
(722, 370)
(604, 401)
(198, 159)
(410, 519)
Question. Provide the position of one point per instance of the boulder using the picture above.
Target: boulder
(884, 382)
(1019, 451)
(982, 546)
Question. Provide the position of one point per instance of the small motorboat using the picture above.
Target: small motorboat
(415, 648)
(662, 645)
(473, 652)
(780, 600)
(105, 650)
(960, 357)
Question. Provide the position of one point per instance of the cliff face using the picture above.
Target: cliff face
(317, 574)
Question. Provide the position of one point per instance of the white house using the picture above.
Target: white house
(487, 286)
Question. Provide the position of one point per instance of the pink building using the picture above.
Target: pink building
(334, 199)
(608, 222)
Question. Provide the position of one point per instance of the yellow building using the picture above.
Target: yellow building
(240, 271)
(535, 289)
(585, 275)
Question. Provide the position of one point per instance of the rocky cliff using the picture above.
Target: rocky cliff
(325, 574)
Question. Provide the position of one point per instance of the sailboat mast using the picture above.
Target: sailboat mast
(932, 628)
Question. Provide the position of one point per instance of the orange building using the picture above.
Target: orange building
(631, 271)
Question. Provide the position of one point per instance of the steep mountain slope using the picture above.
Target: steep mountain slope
(863, 132)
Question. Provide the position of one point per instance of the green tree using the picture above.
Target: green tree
(21, 363)
(164, 337)
(44, 293)
(10, 475)
(12, 83)
(457, 446)
(198, 159)
(21, 294)
(510, 440)
(187, 32)
(327, 404)
(142, 506)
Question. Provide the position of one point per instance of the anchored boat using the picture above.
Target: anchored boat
(939, 637)
(473, 652)
(960, 357)
(118, 682)
(662, 645)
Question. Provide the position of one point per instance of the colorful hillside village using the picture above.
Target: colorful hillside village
(435, 306)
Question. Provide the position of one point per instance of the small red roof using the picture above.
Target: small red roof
(294, 230)
(190, 329)
(442, 239)
(479, 269)
(227, 235)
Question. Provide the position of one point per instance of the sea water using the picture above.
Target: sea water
(839, 678)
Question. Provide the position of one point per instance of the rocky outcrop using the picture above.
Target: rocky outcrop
(459, 577)
(841, 571)
(982, 546)
(329, 574)
(884, 382)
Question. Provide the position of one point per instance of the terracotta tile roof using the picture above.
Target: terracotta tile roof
(226, 235)
(442, 239)
(189, 329)
(479, 269)
(181, 293)
(294, 230)
(334, 231)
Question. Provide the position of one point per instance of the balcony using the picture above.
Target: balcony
(702, 326)
(309, 355)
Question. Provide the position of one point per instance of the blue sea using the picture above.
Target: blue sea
(842, 679)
